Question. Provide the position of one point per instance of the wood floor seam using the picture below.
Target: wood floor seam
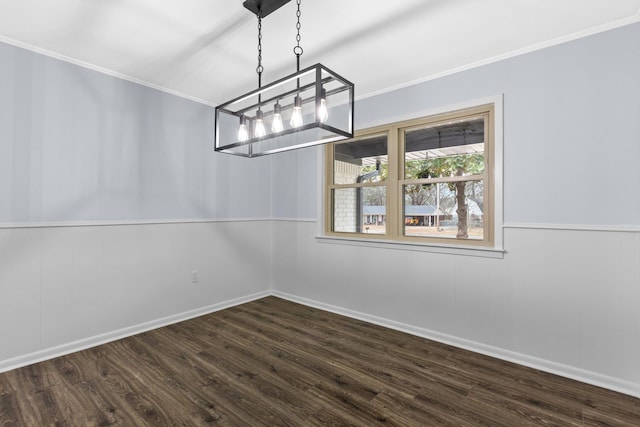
(272, 362)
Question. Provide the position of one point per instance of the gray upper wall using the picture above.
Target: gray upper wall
(80, 146)
(77, 145)
(571, 131)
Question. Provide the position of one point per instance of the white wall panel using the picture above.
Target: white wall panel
(59, 266)
(68, 287)
(20, 299)
(561, 300)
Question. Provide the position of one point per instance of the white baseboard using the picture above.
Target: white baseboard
(589, 377)
(50, 353)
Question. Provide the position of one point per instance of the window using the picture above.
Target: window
(429, 180)
(360, 176)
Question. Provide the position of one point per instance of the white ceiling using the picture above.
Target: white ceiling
(207, 49)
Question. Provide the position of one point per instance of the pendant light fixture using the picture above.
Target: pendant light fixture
(309, 107)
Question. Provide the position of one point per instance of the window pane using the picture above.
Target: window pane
(363, 160)
(359, 210)
(443, 150)
(450, 210)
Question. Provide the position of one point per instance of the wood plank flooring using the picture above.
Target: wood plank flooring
(272, 362)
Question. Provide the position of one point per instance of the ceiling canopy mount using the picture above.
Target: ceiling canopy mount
(264, 8)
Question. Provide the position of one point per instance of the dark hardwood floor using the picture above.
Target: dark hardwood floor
(272, 362)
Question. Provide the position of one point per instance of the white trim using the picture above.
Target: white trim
(576, 227)
(102, 70)
(50, 353)
(477, 251)
(295, 219)
(496, 100)
(514, 225)
(564, 39)
(522, 51)
(123, 222)
(589, 377)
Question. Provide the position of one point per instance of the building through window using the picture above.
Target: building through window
(424, 180)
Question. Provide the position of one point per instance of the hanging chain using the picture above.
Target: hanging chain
(298, 49)
(259, 68)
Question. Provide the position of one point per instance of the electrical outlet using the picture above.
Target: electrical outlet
(194, 276)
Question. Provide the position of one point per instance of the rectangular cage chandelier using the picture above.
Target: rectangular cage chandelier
(310, 107)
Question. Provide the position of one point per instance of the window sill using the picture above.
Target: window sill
(475, 251)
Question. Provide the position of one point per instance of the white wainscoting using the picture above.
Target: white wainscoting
(564, 301)
(68, 288)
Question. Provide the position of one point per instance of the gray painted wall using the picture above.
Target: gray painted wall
(566, 296)
(77, 145)
(79, 148)
(571, 131)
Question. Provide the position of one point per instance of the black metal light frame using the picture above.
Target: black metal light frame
(238, 108)
(311, 84)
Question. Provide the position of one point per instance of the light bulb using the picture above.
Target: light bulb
(276, 125)
(243, 133)
(259, 131)
(296, 116)
(323, 111)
